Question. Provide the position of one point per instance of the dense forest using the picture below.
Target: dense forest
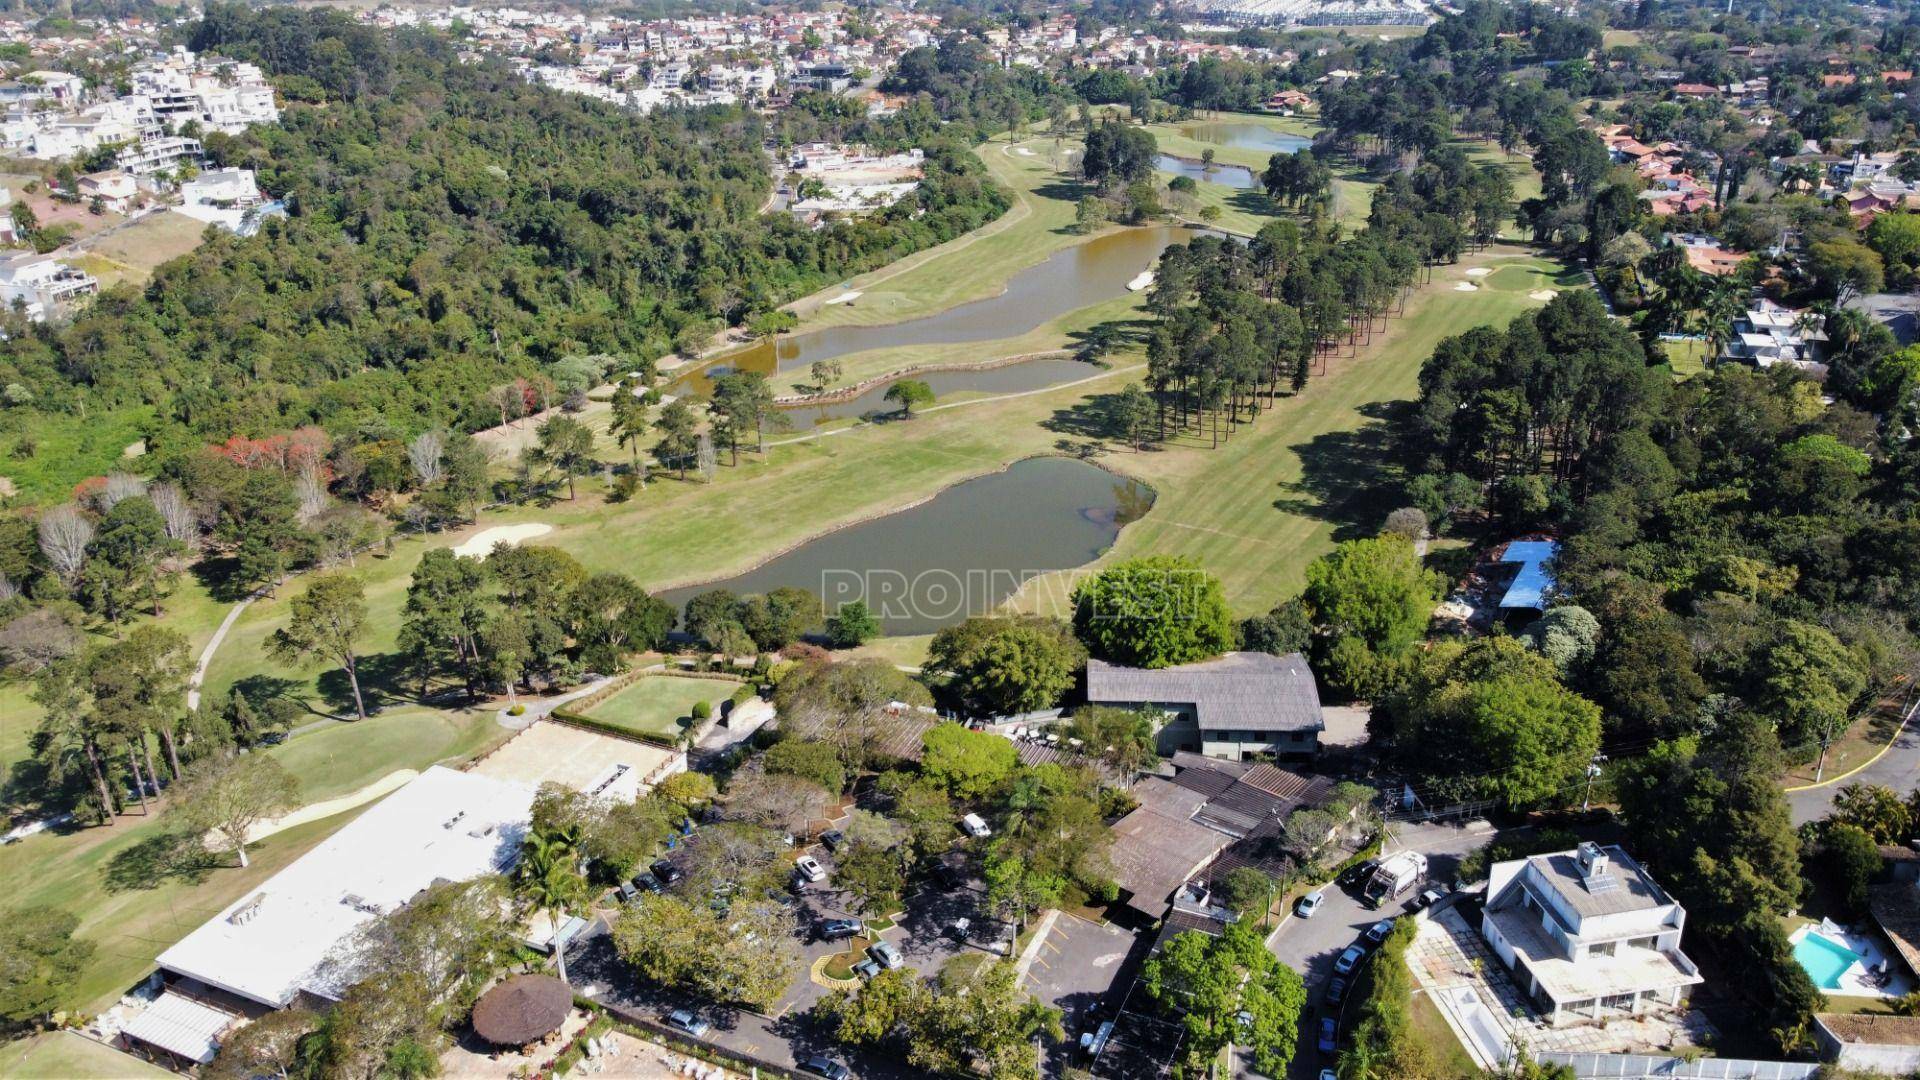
(452, 227)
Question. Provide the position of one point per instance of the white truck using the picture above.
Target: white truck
(1394, 877)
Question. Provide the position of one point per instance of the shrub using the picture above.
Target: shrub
(702, 710)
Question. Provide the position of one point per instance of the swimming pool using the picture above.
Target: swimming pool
(1823, 959)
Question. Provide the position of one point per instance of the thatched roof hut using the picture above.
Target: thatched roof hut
(522, 1009)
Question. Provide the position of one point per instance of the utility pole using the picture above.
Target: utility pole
(1593, 773)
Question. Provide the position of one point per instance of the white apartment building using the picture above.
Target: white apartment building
(159, 155)
(41, 286)
(1588, 934)
(218, 94)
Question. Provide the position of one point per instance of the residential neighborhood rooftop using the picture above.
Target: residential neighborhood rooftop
(1249, 691)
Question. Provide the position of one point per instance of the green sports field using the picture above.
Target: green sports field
(660, 704)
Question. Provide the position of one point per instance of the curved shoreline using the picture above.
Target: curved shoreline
(848, 393)
(876, 515)
(1005, 286)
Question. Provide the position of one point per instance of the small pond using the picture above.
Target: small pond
(960, 553)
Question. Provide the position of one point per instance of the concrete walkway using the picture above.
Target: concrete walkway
(213, 645)
(329, 807)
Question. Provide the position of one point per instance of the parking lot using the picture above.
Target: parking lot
(925, 936)
(1310, 946)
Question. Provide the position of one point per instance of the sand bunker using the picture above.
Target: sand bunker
(1023, 151)
(1541, 294)
(845, 297)
(1466, 286)
(1480, 271)
(481, 545)
(1140, 281)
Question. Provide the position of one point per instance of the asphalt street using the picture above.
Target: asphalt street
(1898, 768)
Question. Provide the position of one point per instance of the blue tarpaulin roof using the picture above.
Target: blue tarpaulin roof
(1533, 582)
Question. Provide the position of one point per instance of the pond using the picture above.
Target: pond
(1245, 136)
(1005, 379)
(1070, 279)
(1233, 176)
(960, 553)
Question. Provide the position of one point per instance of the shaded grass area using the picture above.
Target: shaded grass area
(660, 704)
(133, 894)
(63, 1055)
(133, 252)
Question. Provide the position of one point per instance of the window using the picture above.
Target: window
(1643, 943)
(1605, 948)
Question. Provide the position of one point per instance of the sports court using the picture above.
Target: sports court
(583, 760)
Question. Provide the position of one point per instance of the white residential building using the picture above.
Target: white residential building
(218, 94)
(1770, 334)
(8, 234)
(160, 155)
(1588, 934)
(229, 198)
(41, 286)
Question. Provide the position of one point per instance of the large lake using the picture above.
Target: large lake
(1245, 136)
(1233, 176)
(960, 553)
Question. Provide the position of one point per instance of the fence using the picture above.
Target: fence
(647, 1027)
(1646, 1067)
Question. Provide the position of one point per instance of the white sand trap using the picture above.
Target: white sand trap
(260, 830)
(845, 297)
(1466, 286)
(1140, 281)
(1023, 151)
(481, 545)
(1541, 294)
(1480, 271)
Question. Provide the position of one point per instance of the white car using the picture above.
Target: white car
(809, 868)
(1309, 904)
(976, 826)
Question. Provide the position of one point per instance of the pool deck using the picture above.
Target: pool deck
(1862, 978)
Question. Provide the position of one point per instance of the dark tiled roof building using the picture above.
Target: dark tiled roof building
(1233, 707)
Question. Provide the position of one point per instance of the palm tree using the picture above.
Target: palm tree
(1723, 304)
(549, 878)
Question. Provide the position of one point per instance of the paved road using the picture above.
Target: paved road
(1309, 946)
(1898, 768)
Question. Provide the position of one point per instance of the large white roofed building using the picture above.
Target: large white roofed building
(273, 944)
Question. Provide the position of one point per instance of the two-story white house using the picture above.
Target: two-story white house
(41, 286)
(1588, 934)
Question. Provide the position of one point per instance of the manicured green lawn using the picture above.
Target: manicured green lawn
(63, 1055)
(1686, 358)
(1430, 1029)
(345, 757)
(133, 914)
(660, 704)
(1313, 470)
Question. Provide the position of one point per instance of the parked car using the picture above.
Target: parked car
(866, 969)
(809, 868)
(782, 897)
(1430, 897)
(1329, 1074)
(1359, 873)
(1336, 991)
(682, 1020)
(646, 880)
(832, 839)
(628, 894)
(1309, 904)
(1378, 932)
(666, 872)
(1329, 1041)
(886, 954)
(822, 1065)
(976, 826)
(948, 875)
(836, 929)
(1349, 960)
